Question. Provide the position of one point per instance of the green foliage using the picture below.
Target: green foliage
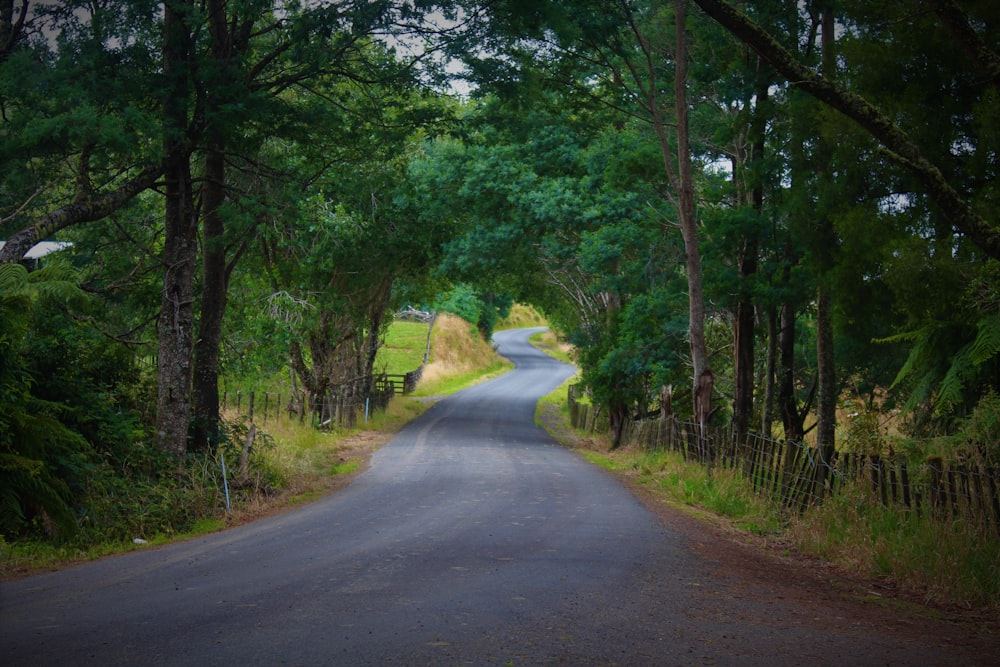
(461, 301)
(975, 438)
(483, 309)
(77, 101)
(947, 385)
(149, 494)
(73, 464)
(552, 209)
(41, 459)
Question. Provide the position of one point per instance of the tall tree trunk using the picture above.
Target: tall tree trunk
(175, 326)
(744, 334)
(767, 413)
(704, 380)
(215, 285)
(216, 268)
(826, 407)
(791, 417)
(826, 401)
(802, 213)
(743, 346)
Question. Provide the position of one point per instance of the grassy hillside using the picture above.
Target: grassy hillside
(459, 357)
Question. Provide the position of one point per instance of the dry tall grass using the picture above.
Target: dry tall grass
(522, 316)
(457, 353)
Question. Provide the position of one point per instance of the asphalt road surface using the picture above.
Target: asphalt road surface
(472, 540)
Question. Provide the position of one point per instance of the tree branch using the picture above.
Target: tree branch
(77, 212)
(898, 144)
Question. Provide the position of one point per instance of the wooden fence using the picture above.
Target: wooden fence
(796, 474)
(403, 384)
(585, 416)
(342, 405)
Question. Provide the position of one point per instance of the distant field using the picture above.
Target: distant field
(404, 348)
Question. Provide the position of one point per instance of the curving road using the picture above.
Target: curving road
(471, 540)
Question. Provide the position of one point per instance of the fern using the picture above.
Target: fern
(37, 451)
(12, 276)
(943, 364)
(987, 343)
(952, 386)
(966, 364)
(919, 339)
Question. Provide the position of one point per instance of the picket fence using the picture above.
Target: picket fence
(796, 474)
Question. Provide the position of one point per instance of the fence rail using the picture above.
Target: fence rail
(404, 383)
(796, 474)
(342, 405)
(331, 410)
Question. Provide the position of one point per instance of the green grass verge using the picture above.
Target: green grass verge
(447, 385)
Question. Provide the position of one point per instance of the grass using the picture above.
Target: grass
(682, 483)
(24, 557)
(945, 562)
(404, 348)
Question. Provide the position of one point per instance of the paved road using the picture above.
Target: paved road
(472, 540)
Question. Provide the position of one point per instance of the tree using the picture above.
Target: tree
(928, 112)
(240, 79)
(76, 81)
(962, 209)
(630, 51)
(179, 259)
(704, 378)
(552, 202)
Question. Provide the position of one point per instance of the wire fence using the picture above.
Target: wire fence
(342, 405)
(797, 475)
